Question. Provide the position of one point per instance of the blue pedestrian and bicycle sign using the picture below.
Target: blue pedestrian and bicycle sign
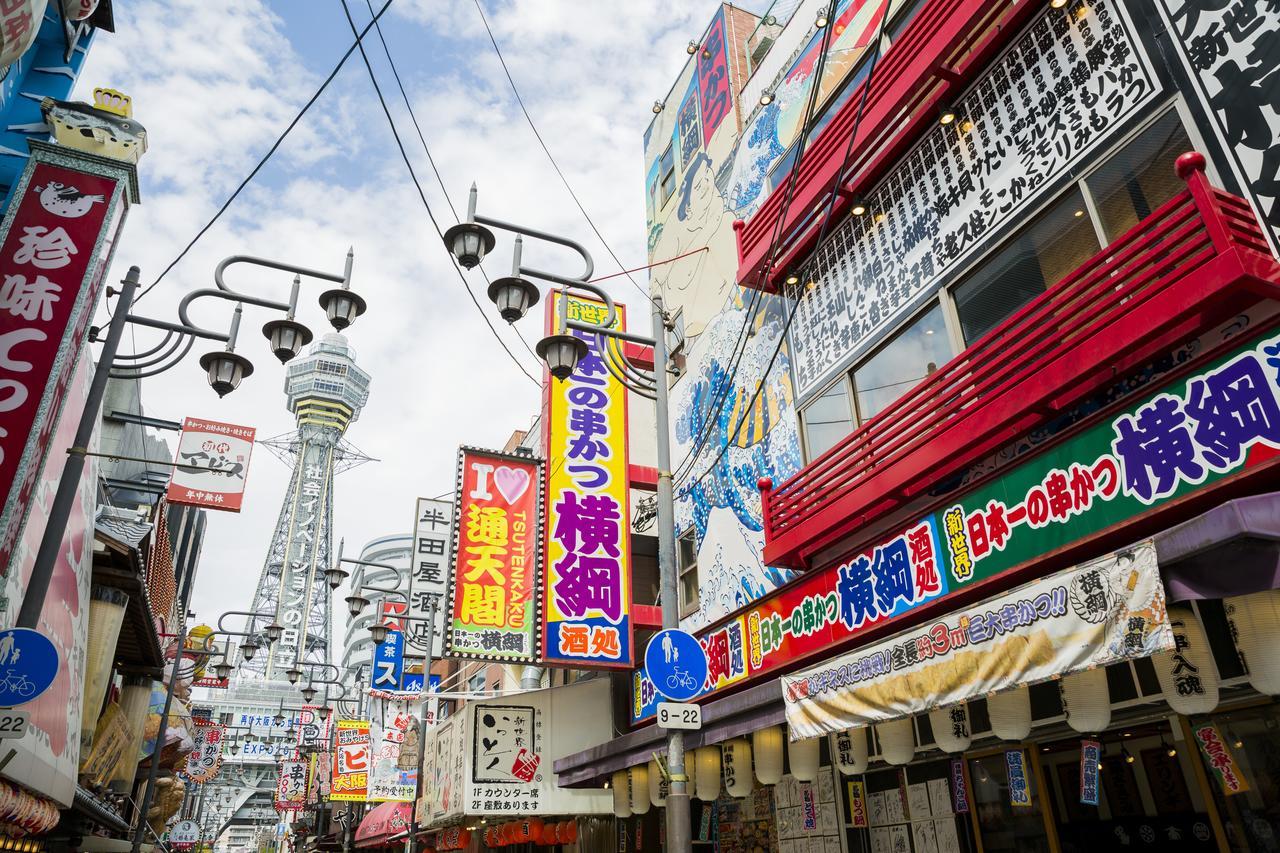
(676, 663)
(28, 664)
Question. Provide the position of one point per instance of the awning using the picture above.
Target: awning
(382, 823)
(1243, 534)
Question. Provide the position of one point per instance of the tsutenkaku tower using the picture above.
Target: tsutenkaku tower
(326, 392)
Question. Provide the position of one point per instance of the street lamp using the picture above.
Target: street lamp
(273, 631)
(378, 633)
(562, 351)
(223, 669)
(356, 603)
(334, 576)
(293, 674)
(308, 693)
(249, 648)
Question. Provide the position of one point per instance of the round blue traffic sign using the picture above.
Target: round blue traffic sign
(28, 663)
(676, 664)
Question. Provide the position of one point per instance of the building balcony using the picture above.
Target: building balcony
(947, 44)
(1196, 261)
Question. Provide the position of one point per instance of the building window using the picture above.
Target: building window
(475, 683)
(687, 552)
(827, 419)
(667, 176)
(1139, 177)
(1057, 242)
(909, 357)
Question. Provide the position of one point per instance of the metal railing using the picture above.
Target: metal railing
(1193, 262)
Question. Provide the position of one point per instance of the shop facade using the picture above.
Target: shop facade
(1014, 576)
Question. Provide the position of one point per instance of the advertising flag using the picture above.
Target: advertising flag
(212, 465)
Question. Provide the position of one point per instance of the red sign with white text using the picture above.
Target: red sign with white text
(493, 603)
(212, 465)
(50, 276)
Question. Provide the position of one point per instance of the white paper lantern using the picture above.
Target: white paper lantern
(767, 746)
(691, 770)
(1188, 675)
(849, 749)
(1256, 618)
(78, 10)
(657, 785)
(707, 758)
(735, 764)
(897, 741)
(951, 731)
(639, 789)
(803, 756)
(1087, 700)
(621, 793)
(1010, 713)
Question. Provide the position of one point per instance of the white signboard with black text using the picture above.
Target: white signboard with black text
(1232, 52)
(432, 541)
(1054, 96)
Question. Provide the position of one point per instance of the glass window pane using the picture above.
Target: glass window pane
(1139, 177)
(1004, 828)
(1054, 245)
(916, 352)
(827, 419)
(688, 551)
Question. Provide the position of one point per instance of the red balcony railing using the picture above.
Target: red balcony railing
(1197, 260)
(946, 43)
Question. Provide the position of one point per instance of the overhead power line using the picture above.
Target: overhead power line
(444, 189)
(528, 118)
(270, 151)
(404, 155)
(690, 461)
(822, 232)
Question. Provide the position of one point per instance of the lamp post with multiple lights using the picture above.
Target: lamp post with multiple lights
(224, 369)
(513, 295)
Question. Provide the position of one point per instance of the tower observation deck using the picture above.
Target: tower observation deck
(326, 391)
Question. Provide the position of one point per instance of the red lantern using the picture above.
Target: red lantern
(570, 831)
(547, 835)
(464, 839)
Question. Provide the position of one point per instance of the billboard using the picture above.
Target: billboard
(212, 465)
(393, 747)
(1224, 419)
(350, 779)
(587, 579)
(497, 534)
(432, 543)
(59, 232)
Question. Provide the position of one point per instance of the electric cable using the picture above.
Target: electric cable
(826, 221)
(444, 190)
(519, 100)
(270, 151)
(422, 195)
(687, 465)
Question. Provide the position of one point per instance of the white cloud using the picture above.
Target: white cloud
(215, 83)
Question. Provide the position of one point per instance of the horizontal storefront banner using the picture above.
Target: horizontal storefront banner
(1180, 438)
(1108, 610)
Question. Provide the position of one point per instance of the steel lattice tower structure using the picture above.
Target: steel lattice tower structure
(326, 391)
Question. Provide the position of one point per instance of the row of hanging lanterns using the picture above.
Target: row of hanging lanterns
(1187, 674)
(531, 830)
(637, 789)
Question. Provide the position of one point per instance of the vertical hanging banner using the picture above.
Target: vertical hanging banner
(959, 790)
(212, 465)
(291, 787)
(1090, 756)
(350, 778)
(205, 757)
(1220, 759)
(55, 245)
(1019, 789)
(587, 586)
(497, 534)
(432, 542)
(393, 748)
(858, 805)
(388, 664)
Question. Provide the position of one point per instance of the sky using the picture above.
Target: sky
(215, 84)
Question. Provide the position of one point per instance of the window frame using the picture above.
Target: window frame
(663, 196)
(688, 608)
(944, 292)
(844, 378)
